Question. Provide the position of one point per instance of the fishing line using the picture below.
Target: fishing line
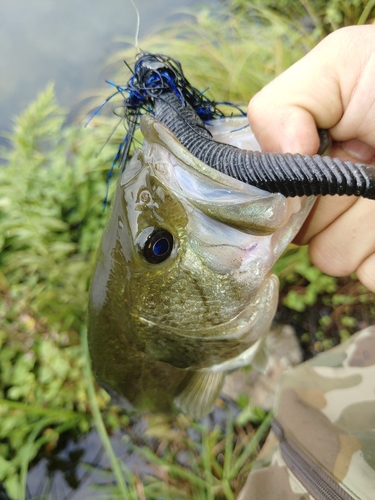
(136, 41)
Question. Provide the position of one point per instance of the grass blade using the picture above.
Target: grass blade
(125, 494)
(251, 448)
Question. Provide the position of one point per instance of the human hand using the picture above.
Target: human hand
(332, 87)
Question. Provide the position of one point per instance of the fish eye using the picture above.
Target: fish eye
(158, 246)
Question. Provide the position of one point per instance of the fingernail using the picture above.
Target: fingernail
(358, 149)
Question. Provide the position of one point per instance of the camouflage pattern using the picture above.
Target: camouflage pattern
(326, 407)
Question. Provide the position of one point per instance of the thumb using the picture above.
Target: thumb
(287, 129)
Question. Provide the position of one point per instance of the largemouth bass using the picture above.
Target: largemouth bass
(183, 289)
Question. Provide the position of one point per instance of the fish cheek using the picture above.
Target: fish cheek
(146, 286)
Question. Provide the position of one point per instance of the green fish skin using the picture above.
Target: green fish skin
(163, 335)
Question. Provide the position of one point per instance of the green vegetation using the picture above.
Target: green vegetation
(51, 190)
(51, 218)
(241, 54)
(320, 17)
(324, 310)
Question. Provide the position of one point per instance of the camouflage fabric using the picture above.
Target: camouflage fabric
(325, 422)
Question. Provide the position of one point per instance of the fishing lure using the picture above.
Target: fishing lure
(154, 76)
(158, 86)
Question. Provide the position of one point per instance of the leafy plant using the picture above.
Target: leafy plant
(50, 212)
(38, 371)
(295, 262)
(51, 219)
(323, 309)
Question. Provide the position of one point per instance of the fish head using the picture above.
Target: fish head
(183, 288)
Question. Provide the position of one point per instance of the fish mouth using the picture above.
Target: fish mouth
(213, 345)
(236, 204)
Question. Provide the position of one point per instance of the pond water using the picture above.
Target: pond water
(67, 42)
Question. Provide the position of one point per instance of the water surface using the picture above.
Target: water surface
(67, 42)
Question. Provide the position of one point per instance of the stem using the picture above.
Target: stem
(252, 446)
(27, 455)
(366, 12)
(206, 462)
(99, 424)
(228, 447)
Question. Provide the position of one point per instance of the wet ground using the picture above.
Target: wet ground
(78, 469)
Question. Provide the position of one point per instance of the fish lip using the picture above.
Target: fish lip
(239, 205)
(249, 314)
